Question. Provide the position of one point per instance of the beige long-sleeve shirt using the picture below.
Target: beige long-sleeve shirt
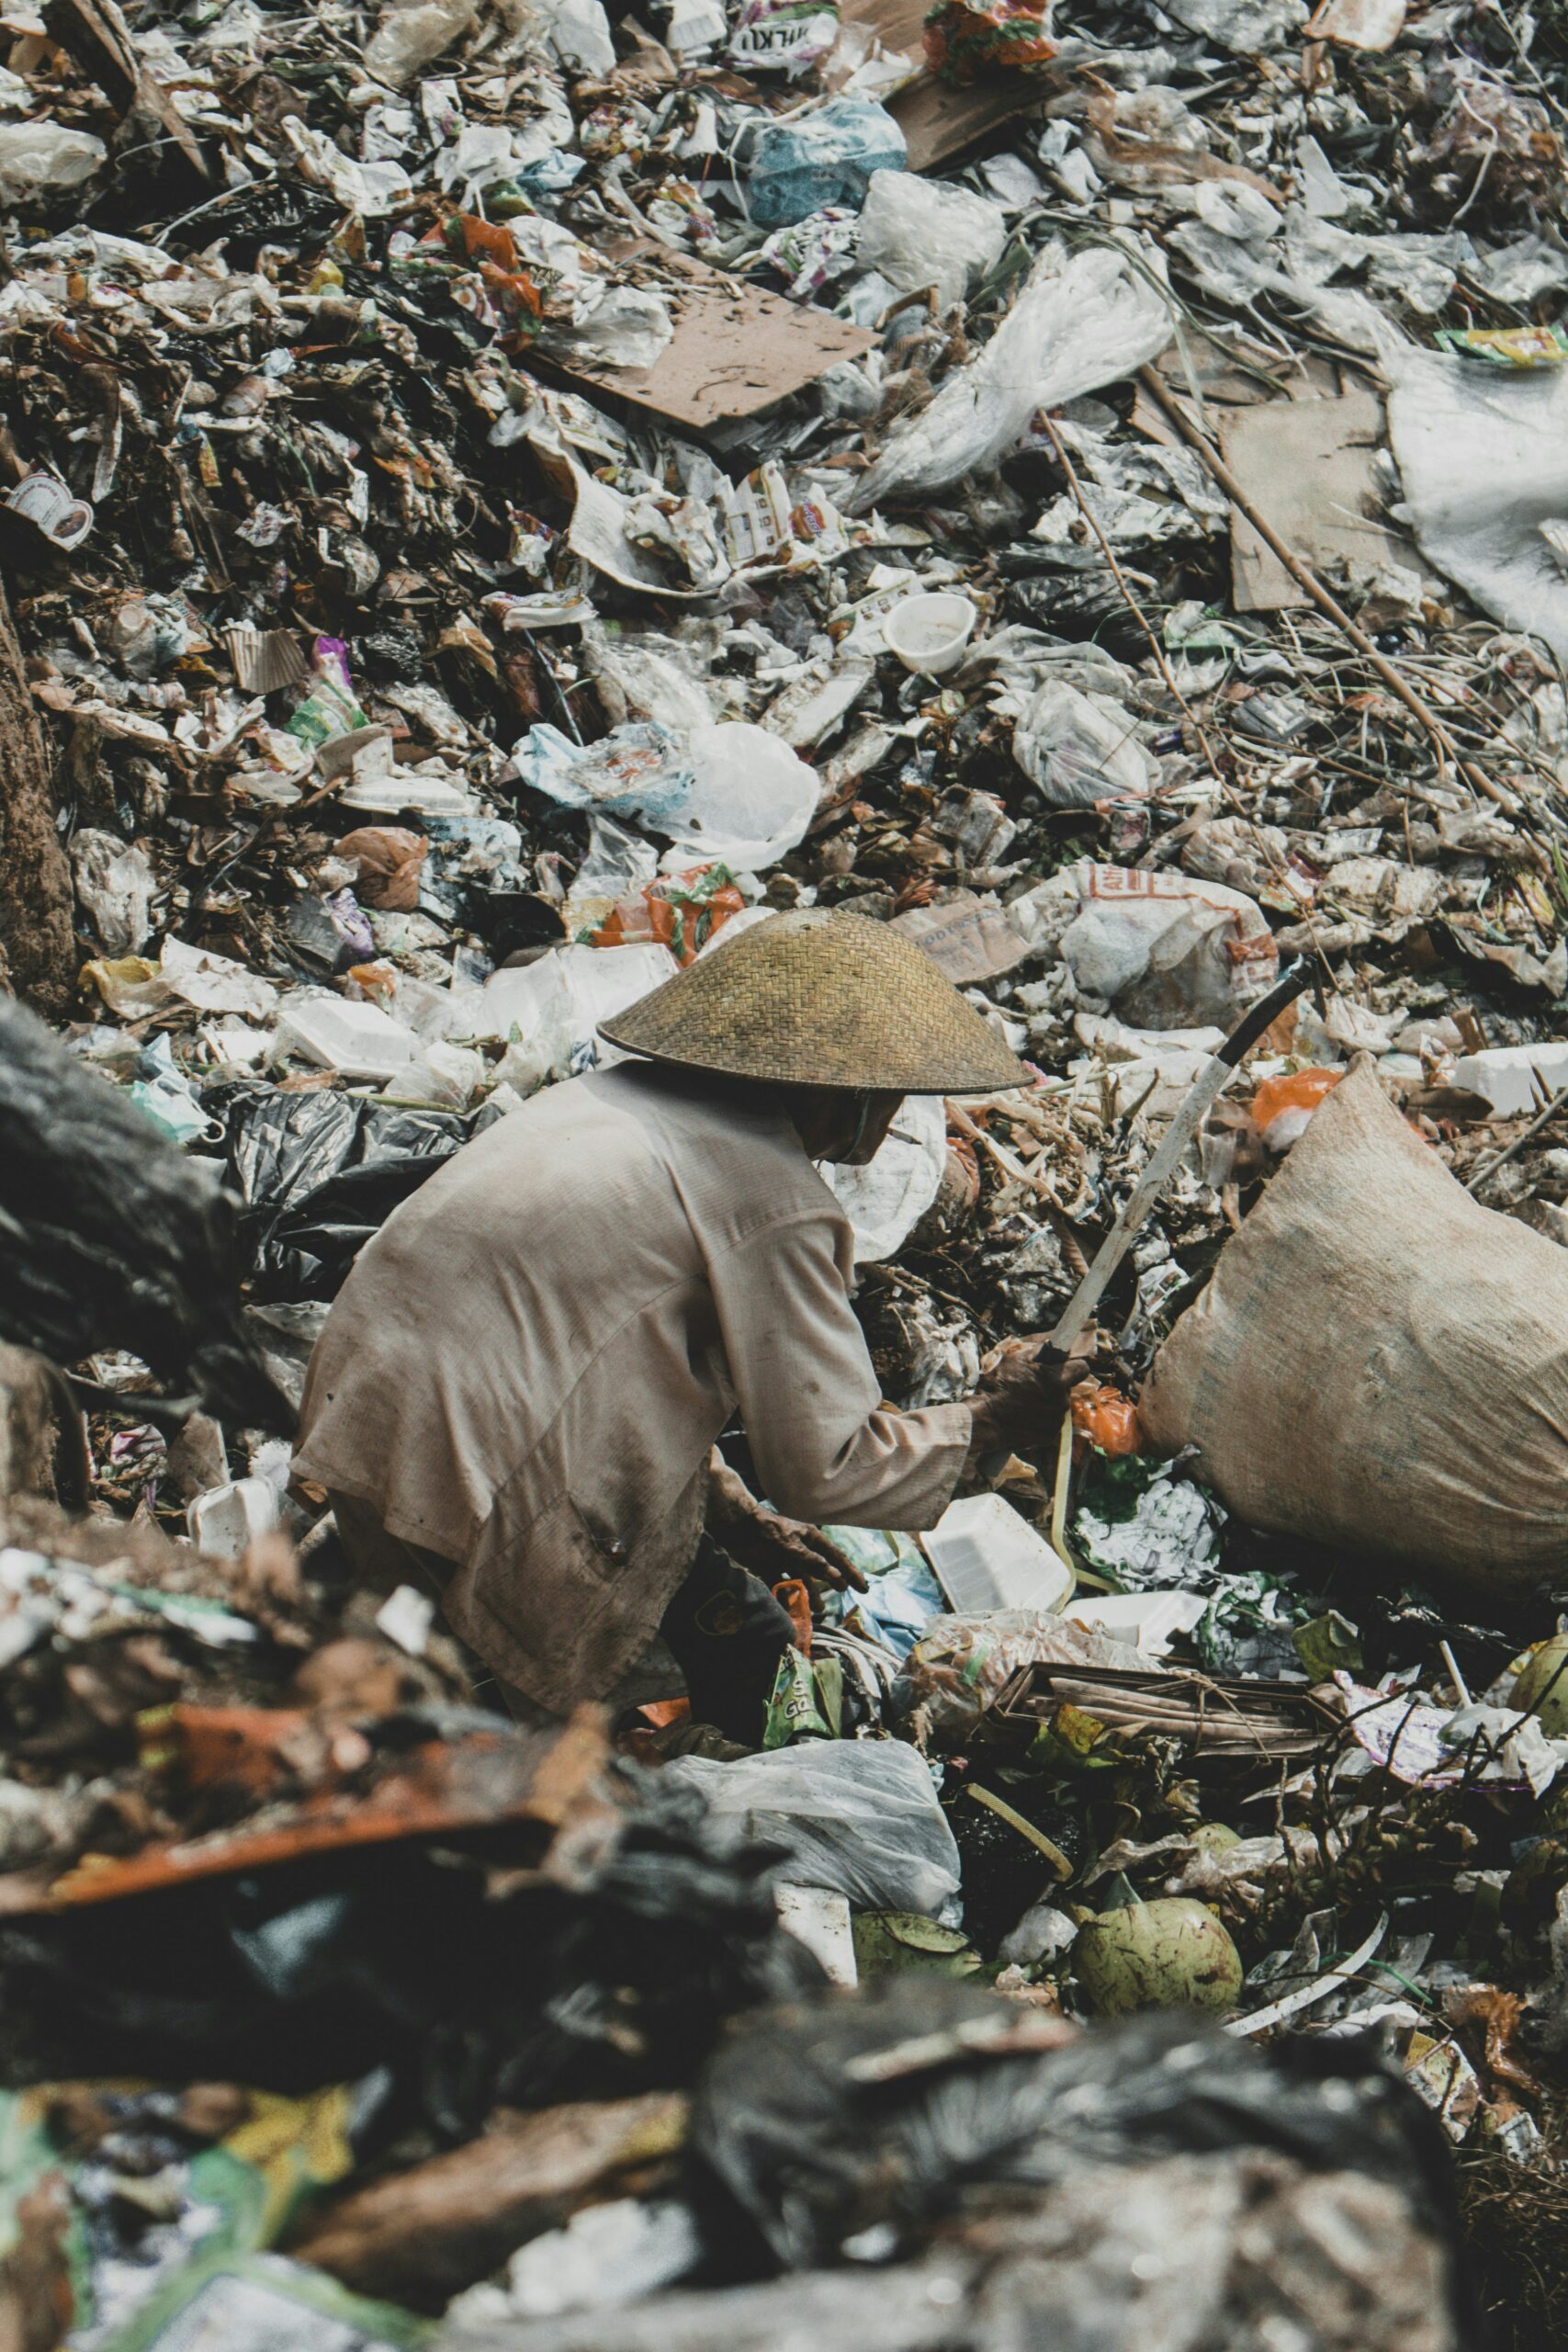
(529, 1365)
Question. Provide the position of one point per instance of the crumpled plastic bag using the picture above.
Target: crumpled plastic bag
(1080, 322)
(389, 859)
(1079, 751)
(733, 793)
(817, 2142)
(115, 883)
(859, 1816)
(789, 168)
(887, 1199)
(752, 797)
(1484, 521)
(1168, 951)
(1245, 28)
(38, 155)
(960, 1664)
(319, 1173)
(638, 770)
(556, 1003)
(783, 36)
(412, 36)
(921, 232)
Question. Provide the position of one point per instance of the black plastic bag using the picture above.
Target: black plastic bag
(110, 1238)
(319, 1173)
(825, 2119)
(608, 1969)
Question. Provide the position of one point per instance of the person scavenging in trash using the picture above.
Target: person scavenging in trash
(519, 1389)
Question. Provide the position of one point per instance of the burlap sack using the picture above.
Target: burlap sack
(1379, 1362)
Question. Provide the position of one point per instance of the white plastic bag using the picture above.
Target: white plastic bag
(1077, 324)
(1168, 951)
(1079, 750)
(412, 36)
(859, 1816)
(783, 36)
(578, 34)
(38, 155)
(450, 1075)
(750, 801)
(922, 233)
(1483, 458)
(115, 883)
(1245, 28)
(556, 1003)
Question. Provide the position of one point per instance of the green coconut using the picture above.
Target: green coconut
(1542, 1687)
(1169, 1954)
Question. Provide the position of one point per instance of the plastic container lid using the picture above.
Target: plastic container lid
(1147, 1619)
(986, 1556)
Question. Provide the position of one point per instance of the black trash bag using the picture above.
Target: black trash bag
(110, 1238)
(825, 2119)
(606, 1971)
(319, 1173)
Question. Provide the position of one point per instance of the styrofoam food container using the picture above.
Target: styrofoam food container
(986, 1556)
(226, 1520)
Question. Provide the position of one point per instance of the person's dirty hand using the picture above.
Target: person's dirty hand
(774, 1548)
(1024, 1391)
(771, 1546)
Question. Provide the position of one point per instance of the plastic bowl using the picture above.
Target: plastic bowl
(930, 632)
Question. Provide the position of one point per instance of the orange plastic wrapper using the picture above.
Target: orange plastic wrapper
(1107, 1418)
(388, 858)
(793, 1596)
(1281, 1106)
(378, 981)
(682, 911)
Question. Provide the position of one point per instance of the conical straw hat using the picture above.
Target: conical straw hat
(819, 998)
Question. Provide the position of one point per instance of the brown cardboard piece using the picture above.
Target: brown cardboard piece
(1308, 465)
(736, 348)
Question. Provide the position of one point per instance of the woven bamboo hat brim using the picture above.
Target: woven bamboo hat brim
(819, 998)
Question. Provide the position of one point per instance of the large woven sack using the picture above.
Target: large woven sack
(1379, 1362)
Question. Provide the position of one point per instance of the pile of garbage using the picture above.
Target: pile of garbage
(496, 499)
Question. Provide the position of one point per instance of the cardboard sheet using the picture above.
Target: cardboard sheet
(1308, 465)
(737, 349)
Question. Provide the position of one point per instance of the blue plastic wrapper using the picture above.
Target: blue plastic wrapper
(639, 770)
(902, 1595)
(791, 169)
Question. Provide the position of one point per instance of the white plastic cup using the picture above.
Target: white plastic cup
(929, 631)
